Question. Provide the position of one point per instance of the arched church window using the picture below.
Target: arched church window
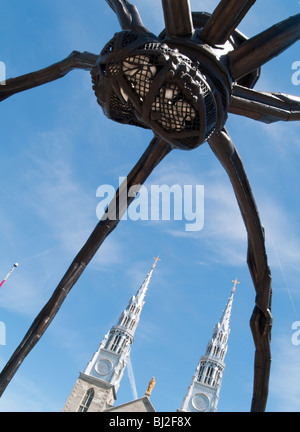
(208, 376)
(123, 344)
(126, 321)
(208, 349)
(222, 354)
(217, 378)
(216, 351)
(201, 370)
(132, 324)
(115, 343)
(86, 401)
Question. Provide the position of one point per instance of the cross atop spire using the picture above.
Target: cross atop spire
(155, 260)
(235, 284)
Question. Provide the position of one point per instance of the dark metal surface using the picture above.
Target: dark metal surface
(178, 17)
(181, 84)
(128, 15)
(264, 106)
(225, 20)
(264, 47)
(76, 60)
(139, 80)
(261, 321)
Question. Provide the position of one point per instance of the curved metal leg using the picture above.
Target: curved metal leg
(178, 17)
(128, 15)
(261, 321)
(262, 48)
(224, 20)
(264, 106)
(76, 60)
(153, 155)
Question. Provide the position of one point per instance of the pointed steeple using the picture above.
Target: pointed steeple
(225, 319)
(203, 393)
(136, 303)
(110, 361)
(102, 377)
(117, 343)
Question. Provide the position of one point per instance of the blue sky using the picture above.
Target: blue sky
(57, 148)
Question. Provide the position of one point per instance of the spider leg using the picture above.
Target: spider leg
(178, 17)
(128, 15)
(153, 155)
(224, 20)
(76, 60)
(262, 48)
(261, 321)
(264, 106)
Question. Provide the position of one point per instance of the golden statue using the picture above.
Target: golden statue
(150, 387)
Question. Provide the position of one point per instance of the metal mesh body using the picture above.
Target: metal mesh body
(143, 82)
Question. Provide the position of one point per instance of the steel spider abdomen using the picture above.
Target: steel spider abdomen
(141, 81)
(181, 84)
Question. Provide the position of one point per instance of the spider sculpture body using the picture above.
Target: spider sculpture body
(181, 84)
(140, 80)
(178, 87)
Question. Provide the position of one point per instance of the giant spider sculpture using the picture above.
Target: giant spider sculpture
(182, 85)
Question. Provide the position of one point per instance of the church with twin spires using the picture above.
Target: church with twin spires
(96, 388)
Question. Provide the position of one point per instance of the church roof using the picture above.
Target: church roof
(139, 405)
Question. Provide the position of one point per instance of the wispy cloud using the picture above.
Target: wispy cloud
(285, 376)
(63, 203)
(284, 137)
(64, 213)
(131, 378)
(24, 395)
(282, 234)
(224, 232)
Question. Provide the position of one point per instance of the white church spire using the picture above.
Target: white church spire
(96, 388)
(137, 302)
(225, 319)
(203, 393)
(110, 361)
